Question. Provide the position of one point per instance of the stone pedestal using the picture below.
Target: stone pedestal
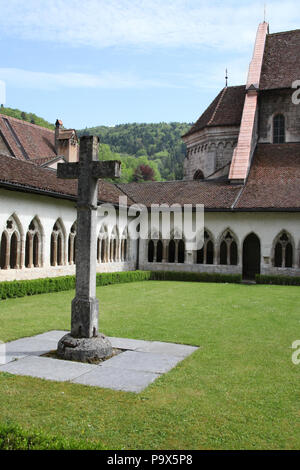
(89, 350)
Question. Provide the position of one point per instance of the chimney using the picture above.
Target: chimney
(58, 126)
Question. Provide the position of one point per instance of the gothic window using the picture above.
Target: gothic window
(72, 244)
(206, 254)
(57, 248)
(171, 251)
(11, 243)
(102, 245)
(278, 129)
(114, 245)
(124, 245)
(181, 250)
(33, 245)
(283, 252)
(228, 250)
(198, 175)
(159, 251)
(151, 251)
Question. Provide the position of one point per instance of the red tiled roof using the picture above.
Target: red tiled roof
(28, 177)
(27, 141)
(214, 195)
(225, 110)
(274, 178)
(281, 60)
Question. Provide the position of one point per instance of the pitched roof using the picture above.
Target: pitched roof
(281, 60)
(225, 110)
(25, 176)
(274, 178)
(214, 195)
(27, 141)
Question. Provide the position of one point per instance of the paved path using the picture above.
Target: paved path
(131, 371)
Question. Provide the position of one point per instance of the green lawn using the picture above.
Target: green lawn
(239, 390)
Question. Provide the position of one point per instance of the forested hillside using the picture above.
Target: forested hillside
(29, 117)
(147, 151)
(140, 146)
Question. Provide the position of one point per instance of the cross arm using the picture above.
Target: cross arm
(106, 169)
(68, 170)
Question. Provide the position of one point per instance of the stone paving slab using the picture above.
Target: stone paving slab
(47, 368)
(131, 371)
(117, 379)
(54, 335)
(130, 344)
(142, 361)
(28, 347)
(179, 350)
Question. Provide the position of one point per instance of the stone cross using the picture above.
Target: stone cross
(85, 306)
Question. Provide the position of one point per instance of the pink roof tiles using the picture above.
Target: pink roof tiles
(242, 154)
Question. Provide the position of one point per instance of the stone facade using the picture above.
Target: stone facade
(209, 150)
(272, 103)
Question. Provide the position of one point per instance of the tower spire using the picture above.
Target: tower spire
(226, 78)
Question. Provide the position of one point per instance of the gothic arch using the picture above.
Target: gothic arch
(251, 246)
(103, 245)
(114, 244)
(58, 244)
(207, 254)
(228, 248)
(124, 245)
(12, 241)
(34, 244)
(72, 243)
(283, 250)
(198, 175)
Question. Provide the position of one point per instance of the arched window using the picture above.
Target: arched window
(159, 251)
(114, 245)
(124, 245)
(57, 248)
(33, 245)
(283, 251)
(206, 254)
(279, 129)
(181, 250)
(172, 251)
(11, 242)
(198, 175)
(228, 249)
(102, 245)
(72, 244)
(150, 251)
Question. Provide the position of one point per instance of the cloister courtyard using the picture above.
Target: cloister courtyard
(239, 390)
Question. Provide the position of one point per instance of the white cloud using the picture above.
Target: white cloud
(144, 23)
(52, 81)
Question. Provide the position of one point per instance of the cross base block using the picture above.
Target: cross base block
(91, 350)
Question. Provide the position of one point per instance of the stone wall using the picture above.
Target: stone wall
(278, 102)
(209, 150)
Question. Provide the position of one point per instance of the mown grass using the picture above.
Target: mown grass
(240, 390)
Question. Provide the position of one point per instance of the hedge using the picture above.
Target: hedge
(195, 277)
(13, 437)
(277, 280)
(12, 289)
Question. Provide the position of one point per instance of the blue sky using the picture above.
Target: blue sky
(106, 62)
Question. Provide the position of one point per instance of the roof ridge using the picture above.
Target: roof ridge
(25, 122)
(217, 106)
(285, 32)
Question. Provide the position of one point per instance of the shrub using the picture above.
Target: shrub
(13, 437)
(195, 277)
(277, 279)
(12, 289)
